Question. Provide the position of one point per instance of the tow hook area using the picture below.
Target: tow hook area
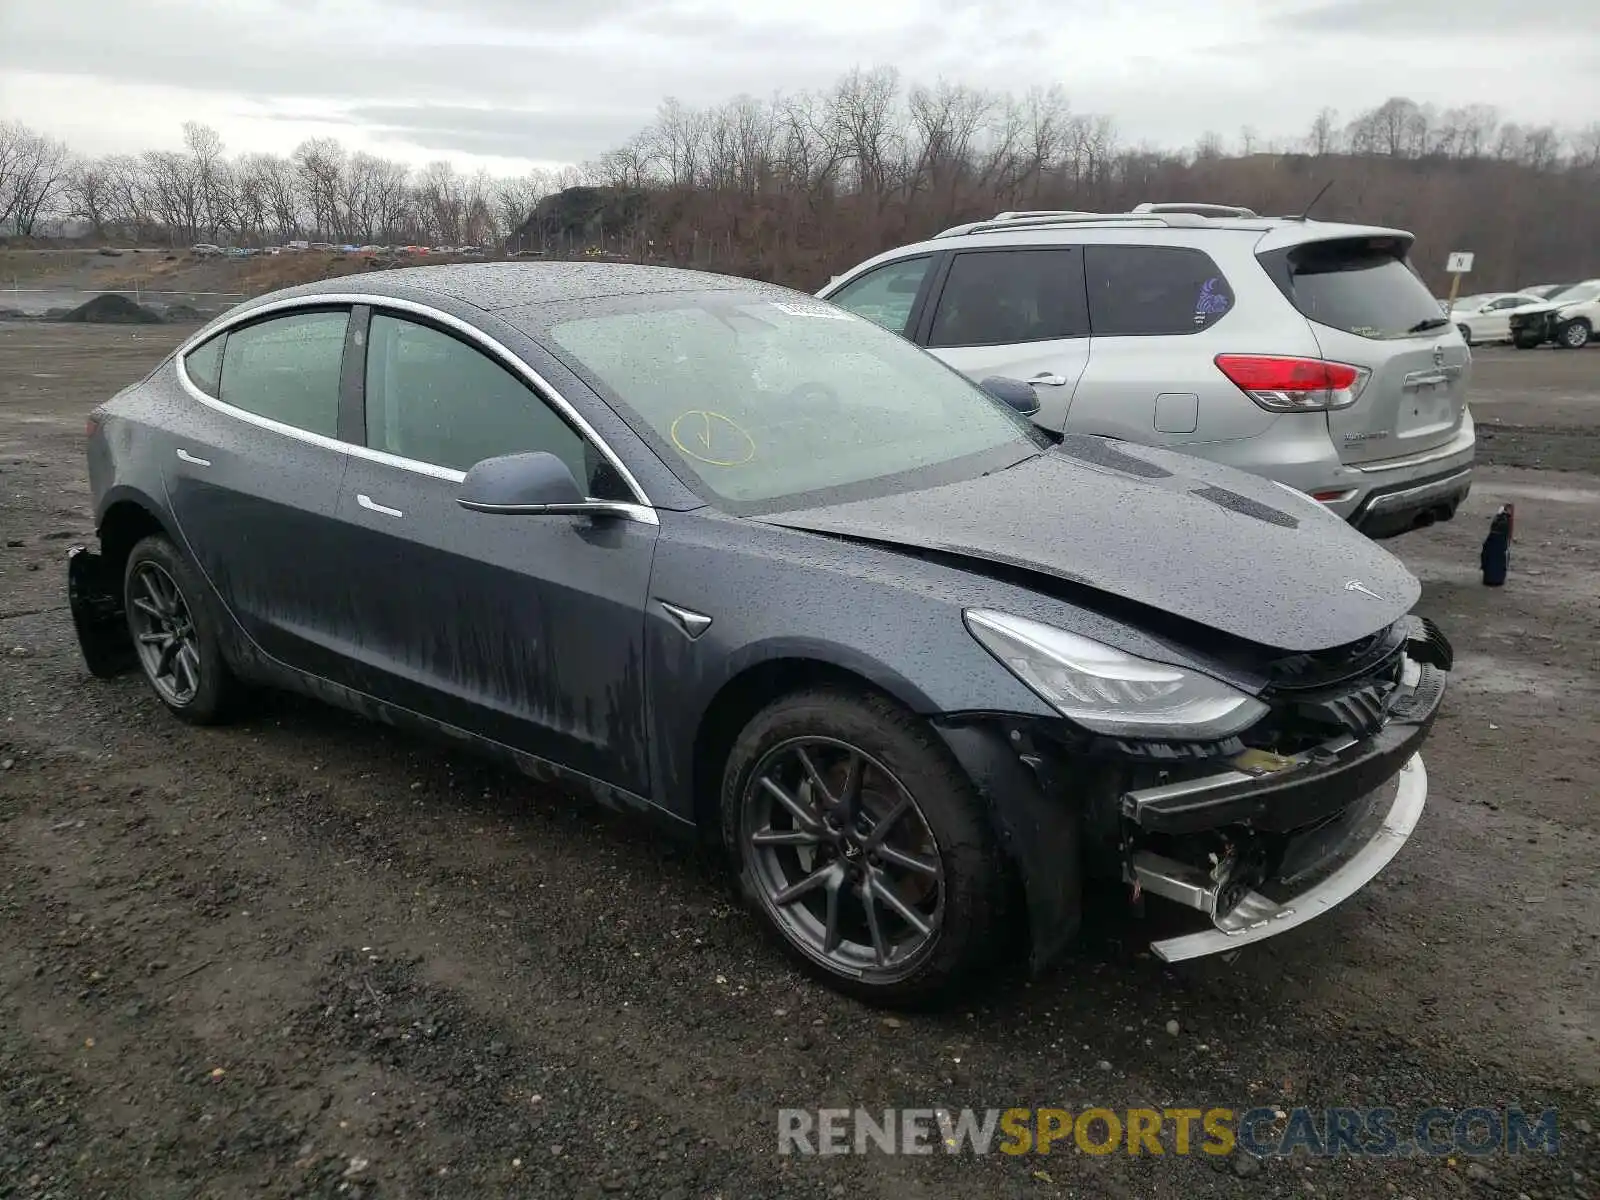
(96, 603)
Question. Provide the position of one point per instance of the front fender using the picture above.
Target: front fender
(1038, 829)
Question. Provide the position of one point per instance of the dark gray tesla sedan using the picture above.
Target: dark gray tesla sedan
(727, 555)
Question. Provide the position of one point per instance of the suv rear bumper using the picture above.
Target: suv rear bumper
(1399, 507)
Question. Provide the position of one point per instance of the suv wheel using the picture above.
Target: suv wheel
(1466, 334)
(1576, 335)
(863, 846)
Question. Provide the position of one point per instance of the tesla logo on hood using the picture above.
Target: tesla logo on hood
(1355, 585)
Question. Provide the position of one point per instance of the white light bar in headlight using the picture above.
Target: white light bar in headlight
(1108, 691)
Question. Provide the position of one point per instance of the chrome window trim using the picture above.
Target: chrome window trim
(643, 511)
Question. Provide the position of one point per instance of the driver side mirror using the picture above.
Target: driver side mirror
(537, 484)
(1013, 392)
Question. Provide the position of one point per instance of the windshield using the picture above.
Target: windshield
(762, 397)
(1578, 293)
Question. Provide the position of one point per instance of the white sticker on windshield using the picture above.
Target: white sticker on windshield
(796, 310)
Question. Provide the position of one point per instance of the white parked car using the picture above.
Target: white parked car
(1487, 317)
(1569, 318)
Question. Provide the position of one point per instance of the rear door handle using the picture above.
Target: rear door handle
(185, 456)
(371, 505)
(1045, 377)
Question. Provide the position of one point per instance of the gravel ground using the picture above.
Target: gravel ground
(304, 955)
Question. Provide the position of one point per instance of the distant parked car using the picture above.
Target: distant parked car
(1305, 351)
(1545, 290)
(206, 250)
(1487, 317)
(1569, 318)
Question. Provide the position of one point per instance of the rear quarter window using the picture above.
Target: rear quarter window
(1363, 286)
(1153, 291)
(203, 364)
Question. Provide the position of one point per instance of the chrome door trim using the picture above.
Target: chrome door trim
(643, 511)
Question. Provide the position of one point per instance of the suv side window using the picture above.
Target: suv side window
(1005, 297)
(1151, 291)
(432, 398)
(203, 364)
(287, 369)
(885, 295)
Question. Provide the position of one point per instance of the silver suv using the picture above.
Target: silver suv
(1305, 351)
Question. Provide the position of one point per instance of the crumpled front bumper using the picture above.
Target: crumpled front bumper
(1301, 832)
(1383, 827)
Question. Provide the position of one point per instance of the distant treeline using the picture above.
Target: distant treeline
(796, 188)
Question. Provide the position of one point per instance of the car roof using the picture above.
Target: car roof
(494, 286)
(1268, 233)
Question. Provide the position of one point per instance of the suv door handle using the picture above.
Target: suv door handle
(371, 505)
(1050, 380)
(185, 456)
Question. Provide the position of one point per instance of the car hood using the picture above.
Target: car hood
(1201, 541)
(1542, 306)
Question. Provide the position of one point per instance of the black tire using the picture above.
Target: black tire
(198, 687)
(1466, 334)
(1523, 343)
(1574, 335)
(896, 750)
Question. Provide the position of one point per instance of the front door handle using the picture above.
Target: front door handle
(371, 505)
(185, 456)
(1049, 379)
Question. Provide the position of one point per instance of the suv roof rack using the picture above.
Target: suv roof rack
(1199, 210)
(1169, 214)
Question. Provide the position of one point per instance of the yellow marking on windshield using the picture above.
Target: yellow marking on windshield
(710, 437)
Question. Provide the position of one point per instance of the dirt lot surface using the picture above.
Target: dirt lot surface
(304, 955)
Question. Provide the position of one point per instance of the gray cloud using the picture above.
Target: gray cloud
(510, 133)
(1439, 20)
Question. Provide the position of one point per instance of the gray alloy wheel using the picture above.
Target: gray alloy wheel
(1576, 335)
(843, 859)
(164, 634)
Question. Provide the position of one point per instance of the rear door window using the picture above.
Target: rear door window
(1363, 286)
(1011, 297)
(287, 369)
(1154, 291)
(885, 295)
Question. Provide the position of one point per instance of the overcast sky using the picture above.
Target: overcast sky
(509, 83)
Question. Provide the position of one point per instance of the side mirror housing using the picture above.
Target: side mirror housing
(537, 482)
(1013, 392)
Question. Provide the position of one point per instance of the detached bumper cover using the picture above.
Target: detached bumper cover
(1374, 842)
(95, 599)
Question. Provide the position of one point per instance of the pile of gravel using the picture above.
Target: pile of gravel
(111, 309)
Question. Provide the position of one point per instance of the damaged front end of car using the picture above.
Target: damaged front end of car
(94, 597)
(1258, 831)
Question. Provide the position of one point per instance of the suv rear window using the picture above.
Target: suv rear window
(1153, 291)
(1363, 286)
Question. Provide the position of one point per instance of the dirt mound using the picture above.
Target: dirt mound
(182, 312)
(111, 309)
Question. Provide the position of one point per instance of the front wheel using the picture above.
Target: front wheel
(1576, 335)
(863, 846)
(1526, 343)
(1466, 334)
(175, 634)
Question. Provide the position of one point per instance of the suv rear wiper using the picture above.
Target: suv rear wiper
(1428, 323)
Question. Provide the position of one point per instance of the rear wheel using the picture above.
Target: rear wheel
(175, 634)
(863, 846)
(1575, 335)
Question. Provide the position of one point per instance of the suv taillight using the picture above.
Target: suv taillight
(1280, 383)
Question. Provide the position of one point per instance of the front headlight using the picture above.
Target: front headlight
(1110, 692)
